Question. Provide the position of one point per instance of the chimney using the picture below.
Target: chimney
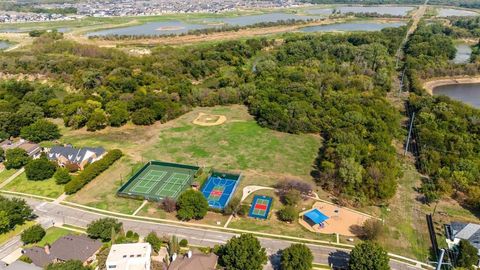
(47, 249)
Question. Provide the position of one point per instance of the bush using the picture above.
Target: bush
(16, 158)
(68, 265)
(243, 210)
(41, 130)
(62, 176)
(291, 197)
(102, 228)
(371, 229)
(168, 204)
(467, 254)
(286, 185)
(287, 214)
(232, 206)
(153, 239)
(143, 117)
(33, 234)
(183, 243)
(40, 169)
(92, 171)
(191, 205)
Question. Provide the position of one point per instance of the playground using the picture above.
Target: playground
(328, 218)
(219, 189)
(158, 180)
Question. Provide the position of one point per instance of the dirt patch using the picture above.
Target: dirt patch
(430, 85)
(208, 120)
(341, 220)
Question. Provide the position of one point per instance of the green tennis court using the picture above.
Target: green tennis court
(158, 180)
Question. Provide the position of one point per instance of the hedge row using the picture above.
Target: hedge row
(92, 171)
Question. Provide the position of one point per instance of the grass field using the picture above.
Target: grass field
(18, 229)
(46, 188)
(5, 174)
(264, 156)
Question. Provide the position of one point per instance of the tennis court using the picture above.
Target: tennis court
(158, 180)
(219, 189)
(260, 207)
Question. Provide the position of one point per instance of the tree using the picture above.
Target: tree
(16, 158)
(68, 265)
(467, 254)
(296, 257)
(153, 239)
(33, 234)
(243, 253)
(183, 243)
(117, 113)
(98, 120)
(168, 204)
(13, 212)
(40, 169)
(192, 205)
(291, 197)
(368, 256)
(103, 228)
(41, 130)
(143, 117)
(232, 206)
(2, 153)
(287, 213)
(62, 176)
(371, 229)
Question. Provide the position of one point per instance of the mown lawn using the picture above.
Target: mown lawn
(46, 188)
(5, 174)
(18, 230)
(52, 235)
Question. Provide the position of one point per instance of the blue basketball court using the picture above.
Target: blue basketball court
(219, 189)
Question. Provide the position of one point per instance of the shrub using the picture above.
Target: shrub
(153, 239)
(467, 254)
(16, 158)
(243, 210)
(168, 204)
(72, 167)
(102, 228)
(62, 176)
(287, 214)
(92, 171)
(371, 229)
(291, 197)
(40, 169)
(143, 117)
(183, 243)
(33, 234)
(285, 185)
(232, 206)
(191, 205)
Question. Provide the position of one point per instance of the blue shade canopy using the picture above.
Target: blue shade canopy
(316, 216)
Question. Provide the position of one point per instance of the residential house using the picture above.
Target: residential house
(457, 231)
(129, 257)
(69, 247)
(19, 265)
(195, 261)
(33, 150)
(64, 155)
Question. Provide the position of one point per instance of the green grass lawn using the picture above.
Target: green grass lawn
(5, 174)
(18, 230)
(52, 234)
(46, 188)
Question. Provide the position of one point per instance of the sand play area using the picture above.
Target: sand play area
(341, 220)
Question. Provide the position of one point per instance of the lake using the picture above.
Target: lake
(253, 19)
(468, 93)
(463, 54)
(351, 26)
(446, 12)
(4, 45)
(384, 10)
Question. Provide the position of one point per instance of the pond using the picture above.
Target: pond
(463, 54)
(4, 44)
(253, 19)
(351, 26)
(446, 12)
(468, 93)
(384, 10)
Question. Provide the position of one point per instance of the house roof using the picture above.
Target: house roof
(69, 247)
(75, 155)
(31, 148)
(467, 231)
(122, 252)
(198, 261)
(316, 216)
(19, 265)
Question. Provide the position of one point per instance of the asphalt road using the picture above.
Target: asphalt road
(51, 214)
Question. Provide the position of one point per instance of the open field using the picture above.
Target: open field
(5, 174)
(18, 229)
(46, 188)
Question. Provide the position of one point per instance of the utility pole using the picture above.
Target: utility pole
(409, 134)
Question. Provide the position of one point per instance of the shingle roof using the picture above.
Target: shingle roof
(73, 155)
(198, 261)
(19, 265)
(467, 231)
(69, 247)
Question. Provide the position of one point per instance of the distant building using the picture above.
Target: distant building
(64, 155)
(19, 265)
(129, 257)
(70, 247)
(457, 231)
(33, 150)
(195, 261)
